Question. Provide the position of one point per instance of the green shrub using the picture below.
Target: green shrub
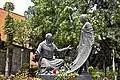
(96, 75)
(25, 66)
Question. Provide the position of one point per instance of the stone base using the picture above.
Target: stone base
(47, 76)
(82, 76)
(118, 77)
(85, 76)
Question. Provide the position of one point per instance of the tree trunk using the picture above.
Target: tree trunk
(113, 62)
(7, 63)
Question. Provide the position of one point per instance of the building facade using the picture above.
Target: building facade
(20, 55)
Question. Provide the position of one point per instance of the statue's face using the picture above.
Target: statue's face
(81, 20)
(49, 39)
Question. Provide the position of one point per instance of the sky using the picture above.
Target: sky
(20, 5)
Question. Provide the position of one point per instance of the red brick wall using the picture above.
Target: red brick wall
(3, 14)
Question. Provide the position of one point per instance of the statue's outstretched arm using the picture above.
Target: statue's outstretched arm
(63, 49)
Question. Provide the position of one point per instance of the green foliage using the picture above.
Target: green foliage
(110, 73)
(64, 76)
(2, 77)
(99, 75)
(22, 32)
(19, 76)
(105, 21)
(9, 6)
(61, 18)
(61, 76)
(57, 17)
(33, 70)
(25, 66)
(72, 76)
(96, 75)
(9, 25)
(9, 30)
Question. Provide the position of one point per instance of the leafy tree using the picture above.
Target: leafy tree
(105, 21)
(61, 18)
(57, 17)
(9, 6)
(9, 31)
(21, 32)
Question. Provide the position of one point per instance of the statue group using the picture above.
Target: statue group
(47, 49)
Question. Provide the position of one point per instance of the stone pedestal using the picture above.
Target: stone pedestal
(118, 77)
(46, 76)
(82, 76)
(85, 76)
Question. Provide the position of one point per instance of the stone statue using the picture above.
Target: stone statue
(86, 32)
(46, 51)
(85, 45)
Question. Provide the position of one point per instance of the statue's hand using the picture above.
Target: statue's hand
(77, 46)
(69, 47)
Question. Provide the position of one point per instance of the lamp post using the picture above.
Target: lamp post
(22, 57)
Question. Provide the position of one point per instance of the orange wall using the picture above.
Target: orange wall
(3, 14)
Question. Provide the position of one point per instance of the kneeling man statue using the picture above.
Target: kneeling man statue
(46, 51)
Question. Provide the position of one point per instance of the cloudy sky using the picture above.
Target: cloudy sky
(20, 5)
